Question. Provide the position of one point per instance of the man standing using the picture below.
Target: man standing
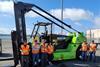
(25, 49)
(44, 54)
(92, 51)
(50, 50)
(84, 50)
(35, 53)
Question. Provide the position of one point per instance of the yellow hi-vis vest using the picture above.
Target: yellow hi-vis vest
(33, 40)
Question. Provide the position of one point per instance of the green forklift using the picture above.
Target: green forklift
(65, 46)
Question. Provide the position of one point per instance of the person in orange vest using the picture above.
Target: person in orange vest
(92, 51)
(35, 53)
(84, 50)
(44, 54)
(25, 49)
(50, 50)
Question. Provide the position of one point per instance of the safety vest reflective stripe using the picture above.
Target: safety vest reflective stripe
(25, 50)
(35, 49)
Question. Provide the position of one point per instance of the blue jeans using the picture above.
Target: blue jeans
(92, 56)
(84, 55)
(35, 58)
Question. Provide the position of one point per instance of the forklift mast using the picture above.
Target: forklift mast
(20, 9)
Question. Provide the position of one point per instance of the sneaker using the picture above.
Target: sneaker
(35, 63)
(39, 60)
(80, 57)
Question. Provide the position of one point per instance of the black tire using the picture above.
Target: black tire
(78, 53)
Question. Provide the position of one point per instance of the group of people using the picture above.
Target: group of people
(88, 51)
(39, 54)
(42, 53)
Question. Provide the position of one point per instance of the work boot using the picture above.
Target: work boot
(39, 60)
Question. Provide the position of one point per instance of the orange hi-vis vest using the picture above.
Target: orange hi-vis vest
(50, 49)
(84, 47)
(25, 50)
(35, 49)
(44, 48)
(92, 47)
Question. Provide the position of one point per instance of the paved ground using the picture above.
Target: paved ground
(7, 53)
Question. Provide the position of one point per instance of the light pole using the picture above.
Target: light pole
(90, 35)
(62, 15)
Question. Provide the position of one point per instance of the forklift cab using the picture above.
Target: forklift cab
(58, 41)
(43, 35)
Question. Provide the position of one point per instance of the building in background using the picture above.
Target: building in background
(93, 34)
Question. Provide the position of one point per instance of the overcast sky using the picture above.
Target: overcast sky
(80, 14)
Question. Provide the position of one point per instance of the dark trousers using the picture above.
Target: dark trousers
(92, 56)
(24, 61)
(44, 59)
(50, 57)
(84, 55)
